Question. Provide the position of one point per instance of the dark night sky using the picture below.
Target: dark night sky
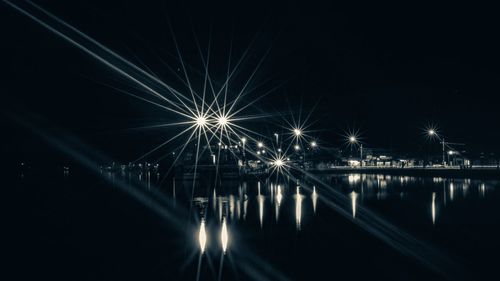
(386, 72)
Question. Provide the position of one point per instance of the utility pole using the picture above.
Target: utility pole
(444, 163)
(361, 153)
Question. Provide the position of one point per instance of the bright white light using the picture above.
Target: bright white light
(243, 140)
(279, 196)
(297, 132)
(202, 237)
(433, 208)
(296, 147)
(224, 237)
(260, 200)
(260, 144)
(201, 121)
(222, 121)
(298, 209)
(354, 196)
(352, 139)
(450, 152)
(432, 132)
(278, 163)
(314, 144)
(314, 198)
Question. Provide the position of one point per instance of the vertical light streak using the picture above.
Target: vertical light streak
(354, 197)
(452, 188)
(202, 236)
(260, 200)
(279, 197)
(224, 236)
(433, 208)
(298, 208)
(314, 198)
(245, 207)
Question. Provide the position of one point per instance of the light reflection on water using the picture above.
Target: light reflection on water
(298, 208)
(241, 214)
(231, 205)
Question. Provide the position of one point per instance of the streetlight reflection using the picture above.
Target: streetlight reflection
(279, 197)
(314, 198)
(433, 208)
(202, 236)
(260, 200)
(224, 236)
(354, 197)
(298, 208)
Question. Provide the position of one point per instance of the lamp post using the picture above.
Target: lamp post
(243, 142)
(353, 140)
(433, 133)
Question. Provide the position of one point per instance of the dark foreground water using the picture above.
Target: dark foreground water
(357, 227)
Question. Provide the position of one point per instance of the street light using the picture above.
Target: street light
(201, 121)
(260, 144)
(222, 121)
(432, 132)
(313, 144)
(297, 132)
(278, 163)
(354, 140)
(297, 147)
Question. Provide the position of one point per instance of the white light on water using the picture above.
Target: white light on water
(260, 200)
(224, 236)
(354, 197)
(202, 237)
(298, 208)
(279, 196)
(433, 207)
(314, 198)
